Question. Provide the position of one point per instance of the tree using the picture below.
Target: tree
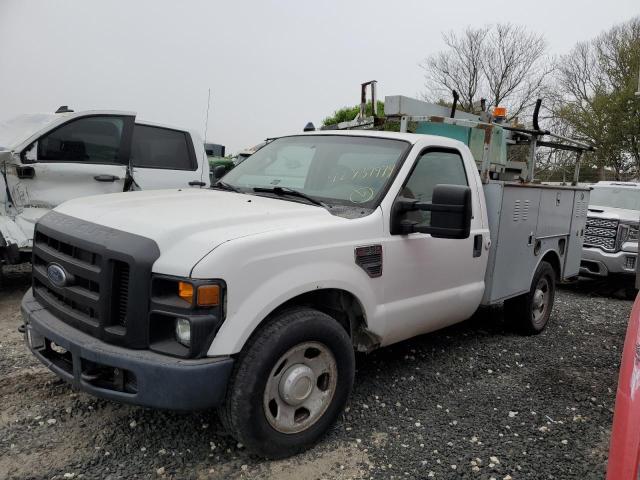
(346, 114)
(596, 96)
(503, 63)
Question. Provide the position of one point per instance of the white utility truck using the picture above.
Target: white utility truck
(46, 159)
(252, 296)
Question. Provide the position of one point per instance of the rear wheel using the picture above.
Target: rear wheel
(290, 383)
(530, 312)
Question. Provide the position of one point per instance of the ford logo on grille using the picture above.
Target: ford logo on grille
(56, 275)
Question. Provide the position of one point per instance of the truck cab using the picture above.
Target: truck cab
(47, 159)
(611, 236)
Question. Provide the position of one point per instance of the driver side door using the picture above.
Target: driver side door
(433, 282)
(85, 156)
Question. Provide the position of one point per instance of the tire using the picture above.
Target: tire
(262, 408)
(529, 313)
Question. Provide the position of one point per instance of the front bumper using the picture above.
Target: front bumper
(140, 377)
(597, 262)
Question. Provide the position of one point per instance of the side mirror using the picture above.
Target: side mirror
(219, 171)
(450, 213)
(30, 154)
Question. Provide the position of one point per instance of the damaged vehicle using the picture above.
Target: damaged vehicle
(47, 159)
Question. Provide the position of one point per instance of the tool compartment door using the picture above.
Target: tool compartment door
(513, 218)
(576, 235)
(556, 205)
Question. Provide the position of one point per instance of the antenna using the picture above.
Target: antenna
(206, 122)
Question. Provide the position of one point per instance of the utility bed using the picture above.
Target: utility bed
(525, 219)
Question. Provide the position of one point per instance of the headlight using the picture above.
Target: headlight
(185, 314)
(183, 331)
(628, 232)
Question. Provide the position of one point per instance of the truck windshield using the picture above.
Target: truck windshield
(615, 197)
(345, 170)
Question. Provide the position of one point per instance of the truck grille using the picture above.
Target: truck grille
(602, 233)
(120, 292)
(80, 301)
(108, 275)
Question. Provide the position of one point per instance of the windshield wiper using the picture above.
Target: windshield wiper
(225, 186)
(282, 191)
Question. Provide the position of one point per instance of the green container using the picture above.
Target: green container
(473, 137)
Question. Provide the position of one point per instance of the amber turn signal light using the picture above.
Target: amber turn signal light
(185, 291)
(208, 295)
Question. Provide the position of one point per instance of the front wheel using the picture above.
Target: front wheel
(530, 312)
(290, 383)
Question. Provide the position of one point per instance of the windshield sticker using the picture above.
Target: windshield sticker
(361, 195)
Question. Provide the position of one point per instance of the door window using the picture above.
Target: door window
(432, 168)
(90, 140)
(157, 147)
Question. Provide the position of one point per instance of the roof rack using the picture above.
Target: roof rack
(485, 133)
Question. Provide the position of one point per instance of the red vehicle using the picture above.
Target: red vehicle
(624, 450)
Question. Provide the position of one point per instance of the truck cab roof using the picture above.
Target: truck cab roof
(407, 137)
(411, 138)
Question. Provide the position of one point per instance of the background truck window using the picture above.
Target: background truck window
(156, 147)
(431, 169)
(615, 197)
(91, 140)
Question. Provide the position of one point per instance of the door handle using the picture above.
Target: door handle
(106, 178)
(477, 245)
(196, 183)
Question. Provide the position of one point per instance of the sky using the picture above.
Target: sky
(271, 65)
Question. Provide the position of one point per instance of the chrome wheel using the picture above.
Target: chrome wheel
(300, 387)
(540, 302)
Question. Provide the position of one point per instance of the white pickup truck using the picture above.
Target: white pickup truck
(252, 296)
(611, 237)
(46, 159)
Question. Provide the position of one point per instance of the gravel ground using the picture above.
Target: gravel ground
(473, 401)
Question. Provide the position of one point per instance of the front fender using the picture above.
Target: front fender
(252, 302)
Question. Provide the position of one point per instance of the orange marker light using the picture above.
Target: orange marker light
(500, 112)
(208, 295)
(185, 291)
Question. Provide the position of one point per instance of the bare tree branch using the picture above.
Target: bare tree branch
(504, 63)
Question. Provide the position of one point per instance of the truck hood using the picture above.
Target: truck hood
(188, 224)
(621, 214)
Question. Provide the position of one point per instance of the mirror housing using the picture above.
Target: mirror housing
(29, 154)
(219, 171)
(450, 218)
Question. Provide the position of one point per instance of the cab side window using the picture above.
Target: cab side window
(157, 147)
(433, 168)
(90, 140)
